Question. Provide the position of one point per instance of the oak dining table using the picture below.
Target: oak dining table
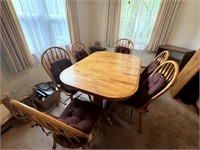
(105, 75)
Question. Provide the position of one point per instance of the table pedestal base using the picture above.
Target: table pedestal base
(99, 101)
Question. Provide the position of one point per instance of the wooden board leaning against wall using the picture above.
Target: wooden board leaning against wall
(186, 74)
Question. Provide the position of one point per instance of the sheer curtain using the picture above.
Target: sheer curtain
(14, 49)
(137, 20)
(44, 23)
(164, 23)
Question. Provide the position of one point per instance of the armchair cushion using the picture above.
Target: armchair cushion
(121, 49)
(58, 66)
(80, 54)
(149, 70)
(147, 90)
(81, 115)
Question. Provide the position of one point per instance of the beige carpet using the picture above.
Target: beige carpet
(169, 125)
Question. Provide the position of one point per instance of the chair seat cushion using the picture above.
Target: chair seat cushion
(153, 85)
(81, 115)
(149, 70)
(80, 54)
(121, 49)
(58, 66)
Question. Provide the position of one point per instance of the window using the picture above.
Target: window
(137, 19)
(44, 23)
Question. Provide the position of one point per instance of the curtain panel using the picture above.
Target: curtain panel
(44, 24)
(14, 48)
(164, 23)
(113, 21)
(73, 20)
(137, 20)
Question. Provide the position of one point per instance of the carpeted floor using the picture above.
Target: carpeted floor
(169, 125)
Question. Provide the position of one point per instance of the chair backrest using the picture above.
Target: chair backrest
(52, 55)
(51, 123)
(169, 70)
(162, 57)
(124, 46)
(78, 50)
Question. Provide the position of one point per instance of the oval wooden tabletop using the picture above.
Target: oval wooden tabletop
(109, 75)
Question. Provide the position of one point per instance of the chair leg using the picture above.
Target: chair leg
(140, 122)
(99, 126)
(124, 110)
(90, 146)
(57, 103)
(71, 97)
(115, 111)
(54, 144)
(90, 98)
(107, 117)
(59, 100)
(131, 113)
(84, 147)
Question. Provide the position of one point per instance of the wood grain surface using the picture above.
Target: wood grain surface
(108, 75)
(186, 74)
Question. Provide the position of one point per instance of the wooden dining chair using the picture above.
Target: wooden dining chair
(78, 51)
(55, 60)
(154, 86)
(74, 128)
(124, 46)
(159, 59)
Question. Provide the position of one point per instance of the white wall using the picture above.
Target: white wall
(186, 30)
(21, 83)
(92, 16)
(83, 8)
(98, 17)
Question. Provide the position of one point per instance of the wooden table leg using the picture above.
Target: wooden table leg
(98, 101)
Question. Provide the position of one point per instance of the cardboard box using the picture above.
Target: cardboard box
(46, 103)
